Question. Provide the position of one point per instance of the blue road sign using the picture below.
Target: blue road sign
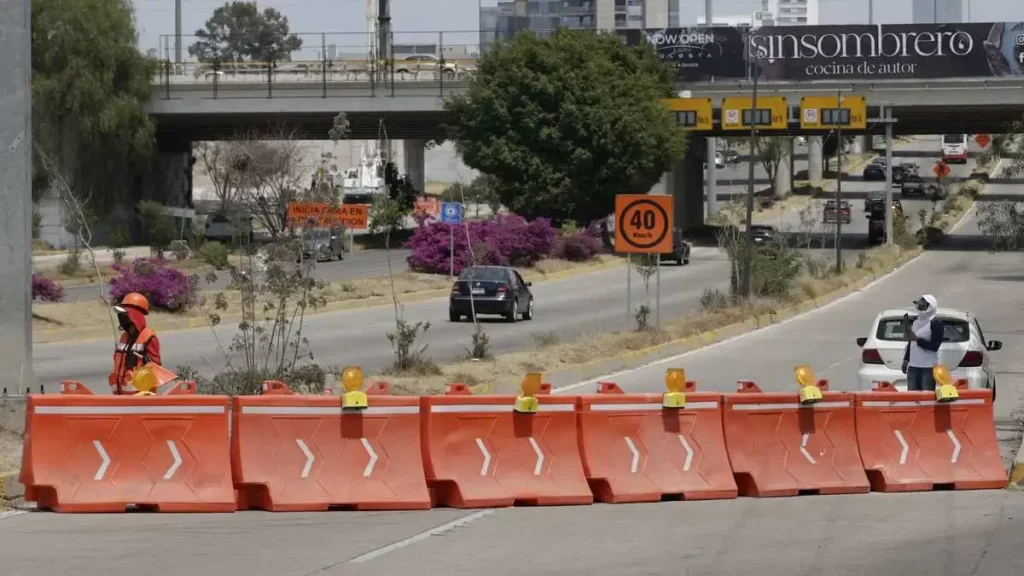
(451, 213)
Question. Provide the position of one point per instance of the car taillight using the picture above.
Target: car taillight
(455, 288)
(870, 356)
(972, 359)
(501, 291)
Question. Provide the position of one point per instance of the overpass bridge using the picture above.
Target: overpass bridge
(192, 104)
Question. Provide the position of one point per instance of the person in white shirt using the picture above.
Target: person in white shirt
(924, 336)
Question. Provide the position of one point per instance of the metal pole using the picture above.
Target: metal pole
(749, 245)
(177, 31)
(15, 194)
(629, 292)
(708, 12)
(451, 251)
(711, 187)
(871, 11)
(888, 176)
(657, 294)
(383, 33)
(839, 193)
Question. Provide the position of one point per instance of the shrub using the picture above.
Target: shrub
(578, 247)
(159, 225)
(71, 264)
(215, 254)
(505, 240)
(165, 287)
(179, 249)
(46, 290)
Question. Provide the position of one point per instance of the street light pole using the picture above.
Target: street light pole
(839, 189)
(749, 244)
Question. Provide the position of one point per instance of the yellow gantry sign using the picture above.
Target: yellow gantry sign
(691, 113)
(771, 114)
(829, 112)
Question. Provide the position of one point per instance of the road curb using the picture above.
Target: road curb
(1016, 479)
(10, 488)
(70, 334)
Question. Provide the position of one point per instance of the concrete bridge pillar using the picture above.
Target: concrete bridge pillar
(686, 184)
(814, 159)
(415, 163)
(783, 184)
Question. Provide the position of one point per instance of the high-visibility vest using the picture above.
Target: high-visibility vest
(126, 361)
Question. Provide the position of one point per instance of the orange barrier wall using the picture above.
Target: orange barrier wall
(86, 453)
(292, 452)
(779, 448)
(478, 453)
(910, 442)
(636, 451)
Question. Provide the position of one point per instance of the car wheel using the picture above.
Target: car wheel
(528, 315)
(401, 71)
(448, 74)
(514, 314)
(453, 316)
(341, 255)
(686, 260)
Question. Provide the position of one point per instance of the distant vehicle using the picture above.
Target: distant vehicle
(719, 160)
(323, 244)
(902, 170)
(954, 148)
(872, 197)
(680, 251)
(731, 156)
(220, 228)
(963, 350)
(830, 212)
(875, 213)
(912, 184)
(417, 63)
(762, 234)
(490, 290)
(875, 170)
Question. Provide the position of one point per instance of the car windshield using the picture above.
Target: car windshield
(956, 330)
(488, 273)
(952, 138)
(319, 235)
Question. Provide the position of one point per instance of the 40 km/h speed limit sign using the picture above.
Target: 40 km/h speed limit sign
(643, 224)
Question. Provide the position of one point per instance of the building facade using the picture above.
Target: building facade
(941, 11)
(794, 12)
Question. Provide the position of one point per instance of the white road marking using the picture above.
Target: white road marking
(636, 454)
(689, 453)
(803, 447)
(540, 457)
(177, 460)
(487, 456)
(309, 457)
(106, 460)
(11, 514)
(906, 447)
(373, 458)
(956, 446)
(458, 523)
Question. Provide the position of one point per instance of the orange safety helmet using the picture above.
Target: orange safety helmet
(136, 300)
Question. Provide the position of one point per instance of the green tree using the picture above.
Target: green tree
(565, 123)
(238, 32)
(89, 82)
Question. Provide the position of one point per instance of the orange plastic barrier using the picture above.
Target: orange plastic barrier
(910, 442)
(86, 453)
(478, 453)
(299, 453)
(779, 448)
(636, 451)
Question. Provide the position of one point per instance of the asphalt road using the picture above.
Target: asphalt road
(948, 533)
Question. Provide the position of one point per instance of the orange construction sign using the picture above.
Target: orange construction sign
(941, 169)
(305, 453)
(479, 453)
(983, 140)
(86, 453)
(354, 216)
(779, 447)
(634, 450)
(910, 442)
(643, 224)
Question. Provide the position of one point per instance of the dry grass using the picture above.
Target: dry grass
(57, 321)
(86, 274)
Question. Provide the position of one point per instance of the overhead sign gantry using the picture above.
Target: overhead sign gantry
(738, 113)
(691, 113)
(828, 112)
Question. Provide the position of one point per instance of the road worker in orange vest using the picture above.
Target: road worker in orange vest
(137, 346)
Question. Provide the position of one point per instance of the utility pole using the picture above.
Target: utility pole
(712, 173)
(749, 245)
(871, 11)
(16, 195)
(887, 118)
(383, 33)
(177, 31)
(839, 190)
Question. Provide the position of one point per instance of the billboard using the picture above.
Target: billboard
(697, 54)
(888, 51)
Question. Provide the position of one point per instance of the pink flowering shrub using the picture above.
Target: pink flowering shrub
(46, 290)
(507, 240)
(163, 286)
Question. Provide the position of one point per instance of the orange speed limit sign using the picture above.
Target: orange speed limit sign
(643, 223)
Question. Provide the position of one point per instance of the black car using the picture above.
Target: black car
(875, 170)
(680, 253)
(731, 156)
(830, 212)
(496, 290)
(912, 184)
(762, 234)
(323, 244)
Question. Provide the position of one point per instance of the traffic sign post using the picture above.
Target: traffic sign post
(643, 225)
(823, 112)
(451, 214)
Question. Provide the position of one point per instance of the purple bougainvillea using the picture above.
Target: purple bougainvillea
(46, 290)
(507, 240)
(164, 287)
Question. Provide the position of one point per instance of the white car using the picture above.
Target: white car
(719, 160)
(964, 349)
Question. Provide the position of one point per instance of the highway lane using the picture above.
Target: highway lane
(566, 308)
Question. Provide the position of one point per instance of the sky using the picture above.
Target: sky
(421, 20)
